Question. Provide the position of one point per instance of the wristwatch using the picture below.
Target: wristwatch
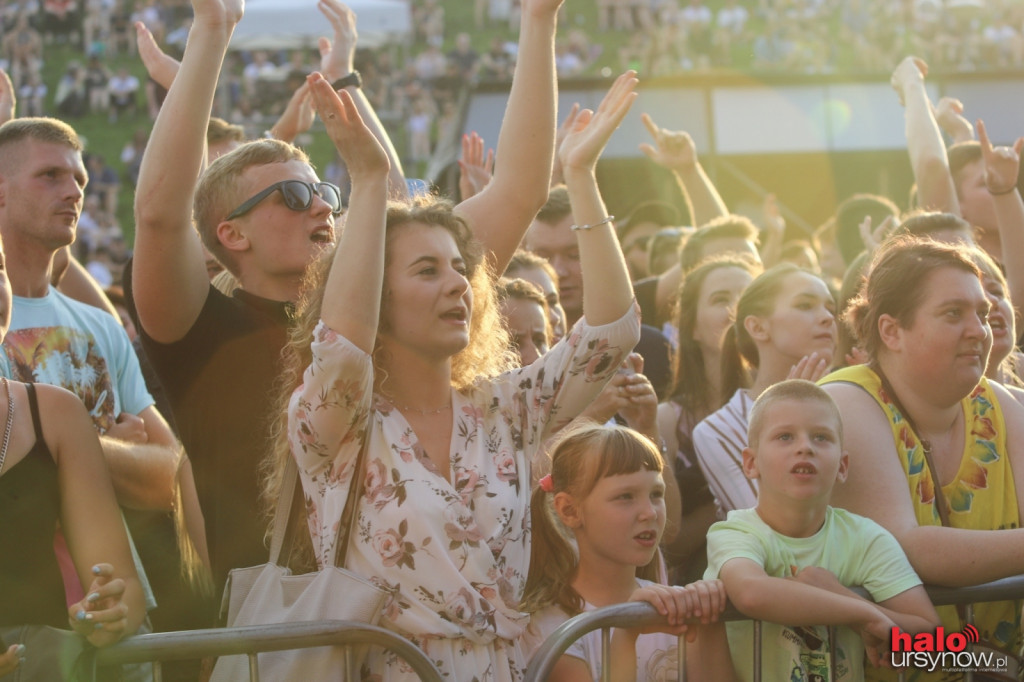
(345, 81)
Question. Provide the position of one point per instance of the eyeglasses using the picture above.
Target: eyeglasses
(298, 196)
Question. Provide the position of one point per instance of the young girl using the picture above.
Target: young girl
(607, 491)
(706, 309)
(785, 328)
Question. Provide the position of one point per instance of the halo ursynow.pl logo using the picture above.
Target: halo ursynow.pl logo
(942, 650)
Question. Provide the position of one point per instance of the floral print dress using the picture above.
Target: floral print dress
(452, 555)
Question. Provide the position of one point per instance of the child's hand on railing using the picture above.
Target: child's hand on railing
(704, 599)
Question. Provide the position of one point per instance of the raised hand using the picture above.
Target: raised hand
(1002, 164)
(161, 66)
(563, 130)
(297, 117)
(336, 60)
(102, 616)
(475, 170)
(226, 13)
(541, 8)
(773, 220)
(672, 149)
(873, 238)
(7, 98)
(591, 131)
(909, 71)
(949, 114)
(358, 147)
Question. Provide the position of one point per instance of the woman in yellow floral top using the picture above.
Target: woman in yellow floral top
(405, 357)
(922, 318)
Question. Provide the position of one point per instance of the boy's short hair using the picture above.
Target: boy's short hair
(218, 130)
(730, 226)
(40, 129)
(218, 190)
(557, 207)
(791, 389)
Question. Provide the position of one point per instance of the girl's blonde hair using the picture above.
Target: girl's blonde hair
(486, 356)
(582, 456)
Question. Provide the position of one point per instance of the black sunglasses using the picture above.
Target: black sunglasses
(298, 196)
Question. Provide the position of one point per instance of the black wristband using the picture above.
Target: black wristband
(345, 81)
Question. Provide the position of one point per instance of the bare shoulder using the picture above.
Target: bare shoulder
(64, 419)
(875, 484)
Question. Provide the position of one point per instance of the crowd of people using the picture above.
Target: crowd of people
(548, 410)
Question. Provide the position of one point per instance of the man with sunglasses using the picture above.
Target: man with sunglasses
(263, 212)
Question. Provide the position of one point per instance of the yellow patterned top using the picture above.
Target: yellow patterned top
(981, 496)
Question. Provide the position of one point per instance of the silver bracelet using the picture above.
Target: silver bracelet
(589, 227)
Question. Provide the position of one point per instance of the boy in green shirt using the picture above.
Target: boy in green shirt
(790, 560)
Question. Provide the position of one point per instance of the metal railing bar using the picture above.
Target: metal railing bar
(641, 614)
(252, 639)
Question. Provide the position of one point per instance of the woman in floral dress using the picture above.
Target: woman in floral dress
(922, 410)
(414, 368)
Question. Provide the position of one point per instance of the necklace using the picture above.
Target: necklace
(425, 413)
(406, 408)
(7, 428)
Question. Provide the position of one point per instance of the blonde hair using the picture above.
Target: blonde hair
(790, 389)
(219, 189)
(40, 129)
(487, 355)
(582, 456)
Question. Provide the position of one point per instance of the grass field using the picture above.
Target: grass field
(108, 139)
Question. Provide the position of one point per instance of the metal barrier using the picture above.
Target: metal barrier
(640, 614)
(252, 639)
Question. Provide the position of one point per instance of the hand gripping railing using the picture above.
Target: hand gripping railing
(252, 639)
(641, 614)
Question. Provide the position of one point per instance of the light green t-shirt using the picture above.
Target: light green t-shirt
(858, 551)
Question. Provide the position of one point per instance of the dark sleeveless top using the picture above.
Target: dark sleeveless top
(31, 588)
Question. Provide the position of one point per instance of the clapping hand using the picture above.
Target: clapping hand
(297, 117)
(358, 147)
(336, 60)
(591, 131)
(160, 66)
(475, 169)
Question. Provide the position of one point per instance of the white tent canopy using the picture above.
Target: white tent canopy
(291, 24)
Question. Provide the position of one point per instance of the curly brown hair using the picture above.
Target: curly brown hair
(487, 355)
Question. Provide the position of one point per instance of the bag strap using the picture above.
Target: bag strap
(355, 491)
(941, 503)
(281, 535)
(290, 487)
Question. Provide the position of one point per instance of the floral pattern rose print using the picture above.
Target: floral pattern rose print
(450, 547)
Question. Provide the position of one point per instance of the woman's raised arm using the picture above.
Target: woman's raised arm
(607, 289)
(351, 304)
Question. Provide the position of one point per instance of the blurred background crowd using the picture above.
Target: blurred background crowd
(77, 60)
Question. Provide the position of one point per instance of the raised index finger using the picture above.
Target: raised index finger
(651, 126)
(986, 144)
